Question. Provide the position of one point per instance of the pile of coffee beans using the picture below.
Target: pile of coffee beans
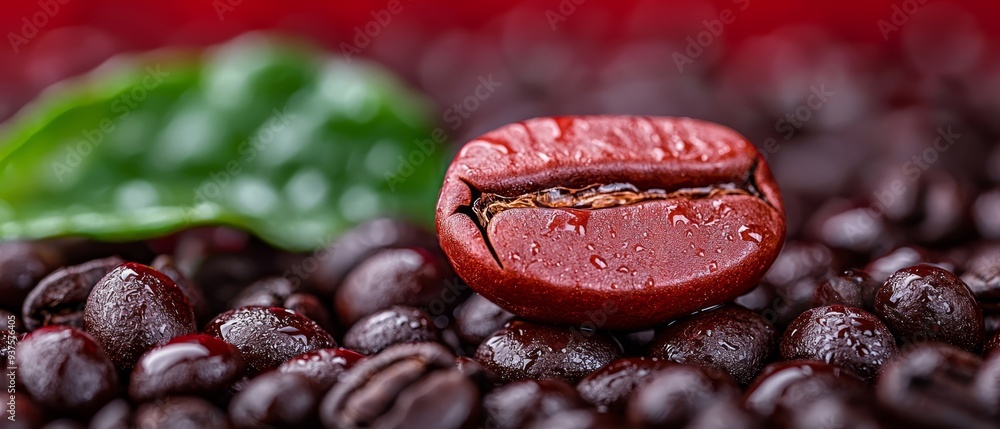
(381, 333)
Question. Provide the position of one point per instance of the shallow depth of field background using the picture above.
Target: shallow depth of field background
(841, 96)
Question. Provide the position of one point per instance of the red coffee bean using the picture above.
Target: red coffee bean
(555, 218)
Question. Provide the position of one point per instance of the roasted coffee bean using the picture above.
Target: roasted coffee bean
(733, 339)
(577, 419)
(520, 403)
(529, 350)
(844, 336)
(552, 218)
(59, 298)
(829, 412)
(165, 264)
(906, 256)
(276, 400)
(932, 385)
(726, 415)
(197, 364)
(268, 336)
(792, 281)
(485, 379)
(65, 369)
(322, 367)
(412, 385)
(413, 277)
(394, 325)
(280, 292)
(851, 288)
(925, 303)
(133, 308)
(674, 395)
(987, 383)
(609, 388)
(791, 384)
(116, 414)
(180, 412)
(981, 272)
(478, 317)
(22, 265)
(363, 241)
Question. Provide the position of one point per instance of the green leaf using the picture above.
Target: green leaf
(258, 133)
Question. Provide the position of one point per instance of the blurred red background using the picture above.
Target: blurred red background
(900, 69)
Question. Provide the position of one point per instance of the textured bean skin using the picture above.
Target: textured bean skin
(394, 325)
(65, 369)
(674, 395)
(926, 303)
(407, 385)
(933, 385)
(133, 308)
(522, 402)
(268, 336)
(528, 350)
(843, 336)
(790, 384)
(611, 386)
(323, 367)
(60, 297)
(560, 265)
(196, 364)
(731, 338)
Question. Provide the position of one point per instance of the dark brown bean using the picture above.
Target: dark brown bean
(363, 241)
(322, 367)
(609, 388)
(198, 364)
(925, 303)
(674, 395)
(478, 317)
(415, 385)
(851, 288)
(59, 298)
(180, 412)
(276, 400)
(394, 325)
(133, 308)
(65, 369)
(791, 384)
(522, 402)
(413, 277)
(844, 336)
(733, 339)
(529, 350)
(22, 265)
(268, 336)
(932, 385)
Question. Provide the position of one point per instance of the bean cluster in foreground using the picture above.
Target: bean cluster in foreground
(377, 331)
